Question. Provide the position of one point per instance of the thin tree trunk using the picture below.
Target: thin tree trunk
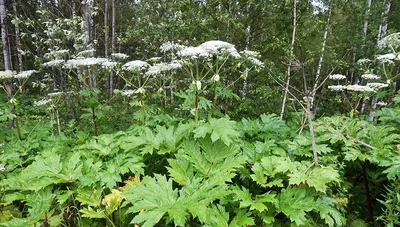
(113, 38)
(17, 38)
(248, 33)
(314, 91)
(383, 27)
(6, 56)
(106, 28)
(111, 82)
(290, 58)
(365, 25)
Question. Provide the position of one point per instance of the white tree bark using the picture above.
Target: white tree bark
(6, 55)
(106, 28)
(248, 33)
(383, 26)
(290, 58)
(321, 58)
(365, 25)
(17, 38)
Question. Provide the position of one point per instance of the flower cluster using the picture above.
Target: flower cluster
(337, 87)
(370, 77)
(53, 63)
(193, 53)
(135, 65)
(120, 56)
(359, 88)
(388, 57)
(41, 102)
(5, 75)
(109, 64)
(86, 53)
(391, 41)
(56, 54)
(167, 46)
(25, 74)
(337, 77)
(217, 47)
(377, 86)
(381, 103)
(55, 94)
(363, 61)
(128, 93)
(84, 62)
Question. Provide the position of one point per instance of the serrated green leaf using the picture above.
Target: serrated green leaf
(294, 202)
(328, 212)
(242, 219)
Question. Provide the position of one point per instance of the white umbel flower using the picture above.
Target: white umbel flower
(5, 75)
(381, 103)
(53, 63)
(84, 62)
(337, 87)
(86, 53)
(377, 86)
(193, 53)
(41, 102)
(388, 57)
(135, 65)
(128, 93)
(157, 69)
(119, 56)
(363, 61)
(56, 94)
(217, 47)
(359, 88)
(109, 64)
(167, 46)
(337, 77)
(25, 74)
(370, 77)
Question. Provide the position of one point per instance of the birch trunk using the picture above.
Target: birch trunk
(365, 25)
(314, 90)
(290, 58)
(17, 38)
(6, 55)
(106, 28)
(248, 33)
(381, 35)
(111, 79)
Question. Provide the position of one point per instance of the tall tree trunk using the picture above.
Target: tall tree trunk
(290, 57)
(321, 58)
(6, 55)
(113, 38)
(381, 35)
(248, 33)
(113, 43)
(383, 26)
(17, 38)
(106, 28)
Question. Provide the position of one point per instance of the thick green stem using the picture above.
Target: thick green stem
(95, 132)
(367, 192)
(142, 109)
(214, 100)
(18, 129)
(196, 107)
